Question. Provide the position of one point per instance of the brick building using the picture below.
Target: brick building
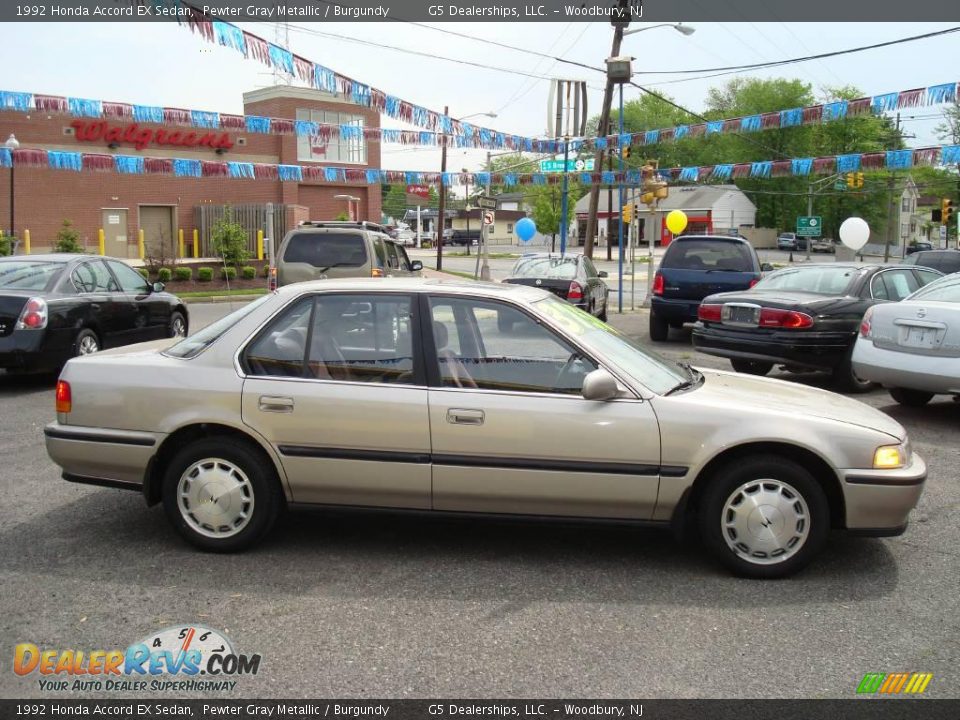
(162, 204)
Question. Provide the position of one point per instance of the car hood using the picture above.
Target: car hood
(748, 392)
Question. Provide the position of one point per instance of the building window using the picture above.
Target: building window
(509, 228)
(905, 205)
(340, 150)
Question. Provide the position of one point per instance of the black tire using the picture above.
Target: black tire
(910, 398)
(846, 379)
(659, 328)
(86, 343)
(177, 327)
(751, 367)
(602, 317)
(504, 323)
(262, 492)
(744, 476)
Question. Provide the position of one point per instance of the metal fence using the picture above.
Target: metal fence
(252, 217)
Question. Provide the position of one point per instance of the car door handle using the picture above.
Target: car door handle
(459, 416)
(269, 403)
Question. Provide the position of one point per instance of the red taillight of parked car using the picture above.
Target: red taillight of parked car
(754, 281)
(575, 291)
(34, 315)
(709, 313)
(786, 319)
(658, 284)
(64, 400)
(865, 323)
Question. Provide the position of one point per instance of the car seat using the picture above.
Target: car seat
(452, 369)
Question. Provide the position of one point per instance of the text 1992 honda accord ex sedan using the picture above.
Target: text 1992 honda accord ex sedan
(406, 394)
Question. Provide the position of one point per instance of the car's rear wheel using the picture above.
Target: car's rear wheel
(751, 367)
(221, 495)
(177, 326)
(764, 517)
(910, 398)
(86, 343)
(659, 328)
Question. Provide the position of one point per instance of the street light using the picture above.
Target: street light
(350, 200)
(490, 114)
(679, 27)
(11, 144)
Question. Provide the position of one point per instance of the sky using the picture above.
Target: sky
(165, 64)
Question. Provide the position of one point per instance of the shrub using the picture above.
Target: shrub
(68, 239)
(145, 273)
(204, 274)
(228, 273)
(342, 217)
(6, 245)
(230, 239)
(248, 273)
(183, 274)
(164, 275)
(266, 271)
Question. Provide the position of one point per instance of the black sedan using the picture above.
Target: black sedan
(54, 307)
(804, 318)
(571, 277)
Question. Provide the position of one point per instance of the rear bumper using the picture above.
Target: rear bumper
(113, 458)
(878, 502)
(674, 310)
(816, 351)
(894, 369)
(27, 350)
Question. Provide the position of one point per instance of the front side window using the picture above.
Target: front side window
(492, 346)
(393, 258)
(130, 280)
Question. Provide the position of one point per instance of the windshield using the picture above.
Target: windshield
(326, 249)
(821, 279)
(26, 275)
(647, 368)
(946, 289)
(193, 345)
(557, 268)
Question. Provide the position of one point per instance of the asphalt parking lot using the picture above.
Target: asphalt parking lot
(344, 605)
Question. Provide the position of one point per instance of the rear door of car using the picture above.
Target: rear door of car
(693, 268)
(323, 253)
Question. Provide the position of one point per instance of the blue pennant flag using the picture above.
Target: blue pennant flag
(510, 179)
(326, 80)
(85, 108)
(899, 159)
(761, 169)
(848, 163)
(651, 137)
(6, 159)
(240, 169)
(65, 160)
(229, 35)
(884, 103)
(148, 113)
(182, 167)
(539, 179)
(836, 110)
(950, 155)
(202, 119)
(331, 174)
(392, 106)
(15, 101)
(351, 132)
(586, 178)
(130, 164)
(373, 177)
(791, 117)
(360, 94)
(714, 126)
(681, 131)
(420, 115)
(633, 177)
(690, 174)
(258, 124)
(290, 173)
(601, 143)
(449, 178)
(945, 93)
(801, 166)
(427, 138)
(751, 123)
(281, 58)
(722, 172)
(305, 128)
(391, 135)
(607, 177)
(481, 178)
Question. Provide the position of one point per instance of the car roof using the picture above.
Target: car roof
(55, 257)
(727, 238)
(418, 285)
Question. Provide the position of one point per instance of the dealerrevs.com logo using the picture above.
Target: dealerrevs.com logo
(177, 658)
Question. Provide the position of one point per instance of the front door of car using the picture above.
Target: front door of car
(146, 315)
(103, 304)
(335, 384)
(511, 432)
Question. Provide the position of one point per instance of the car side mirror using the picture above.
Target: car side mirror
(766, 267)
(416, 265)
(603, 273)
(599, 385)
(157, 287)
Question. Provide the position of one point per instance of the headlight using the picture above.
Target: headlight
(888, 457)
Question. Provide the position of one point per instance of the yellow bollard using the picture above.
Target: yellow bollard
(101, 240)
(180, 240)
(196, 243)
(26, 242)
(259, 244)
(140, 242)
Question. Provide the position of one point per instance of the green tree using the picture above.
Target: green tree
(230, 239)
(547, 204)
(68, 239)
(395, 201)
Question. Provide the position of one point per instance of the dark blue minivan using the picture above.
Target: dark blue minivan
(693, 267)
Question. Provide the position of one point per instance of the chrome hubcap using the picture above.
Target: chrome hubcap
(765, 521)
(215, 497)
(88, 345)
(179, 327)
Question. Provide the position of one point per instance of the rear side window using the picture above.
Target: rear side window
(326, 249)
(709, 255)
(28, 275)
(820, 279)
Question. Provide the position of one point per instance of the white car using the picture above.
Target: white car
(407, 238)
(913, 347)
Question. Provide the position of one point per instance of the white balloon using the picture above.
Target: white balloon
(854, 232)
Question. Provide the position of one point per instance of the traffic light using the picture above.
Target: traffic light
(946, 211)
(851, 180)
(626, 213)
(859, 179)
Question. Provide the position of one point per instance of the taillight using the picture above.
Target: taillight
(376, 272)
(865, 323)
(34, 315)
(658, 284)
(64, 401)
(754, 281)
(709, 313)
(787, 319)
(575, 292)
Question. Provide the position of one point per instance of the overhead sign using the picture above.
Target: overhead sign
(809, 226)
(141, 137)
(487, 203)
(419, 190)
(556, 166)
(488, 218)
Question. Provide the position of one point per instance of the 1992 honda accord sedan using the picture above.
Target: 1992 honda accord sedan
(406, 394)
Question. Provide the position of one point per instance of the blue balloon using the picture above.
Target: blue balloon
(525, 229)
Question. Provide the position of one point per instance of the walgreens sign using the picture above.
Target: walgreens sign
(141, 137)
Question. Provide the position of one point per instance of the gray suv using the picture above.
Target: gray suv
(317, 250)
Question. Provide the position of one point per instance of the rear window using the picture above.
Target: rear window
(198, 342)
(26, 275)
(823, 280)
(709, 255)
(945, 289)
(543, 267)
(326, 249)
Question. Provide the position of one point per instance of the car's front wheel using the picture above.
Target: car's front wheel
(177, 326)
(751, 367)
(221, 495)
(910, 398)
(764, 517)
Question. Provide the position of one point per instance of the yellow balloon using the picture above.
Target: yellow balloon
(676, 221)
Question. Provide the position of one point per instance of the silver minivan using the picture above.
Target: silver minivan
(317, 250)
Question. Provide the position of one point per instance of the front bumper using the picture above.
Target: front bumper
(115, 458)
(893, 369)
(879, 501)
(812, 350)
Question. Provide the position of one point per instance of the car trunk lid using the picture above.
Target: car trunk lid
(560, 288)
(917, 328)
(11, 305)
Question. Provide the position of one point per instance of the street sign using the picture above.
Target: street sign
(943, 232)
(488, 218)
(840, 186)
(556, 166)
(487, 203)
(809, 226)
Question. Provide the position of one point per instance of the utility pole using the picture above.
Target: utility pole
(609, 195)
(441, 216)
(890, 234)
(809, 213)
(598, 155)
